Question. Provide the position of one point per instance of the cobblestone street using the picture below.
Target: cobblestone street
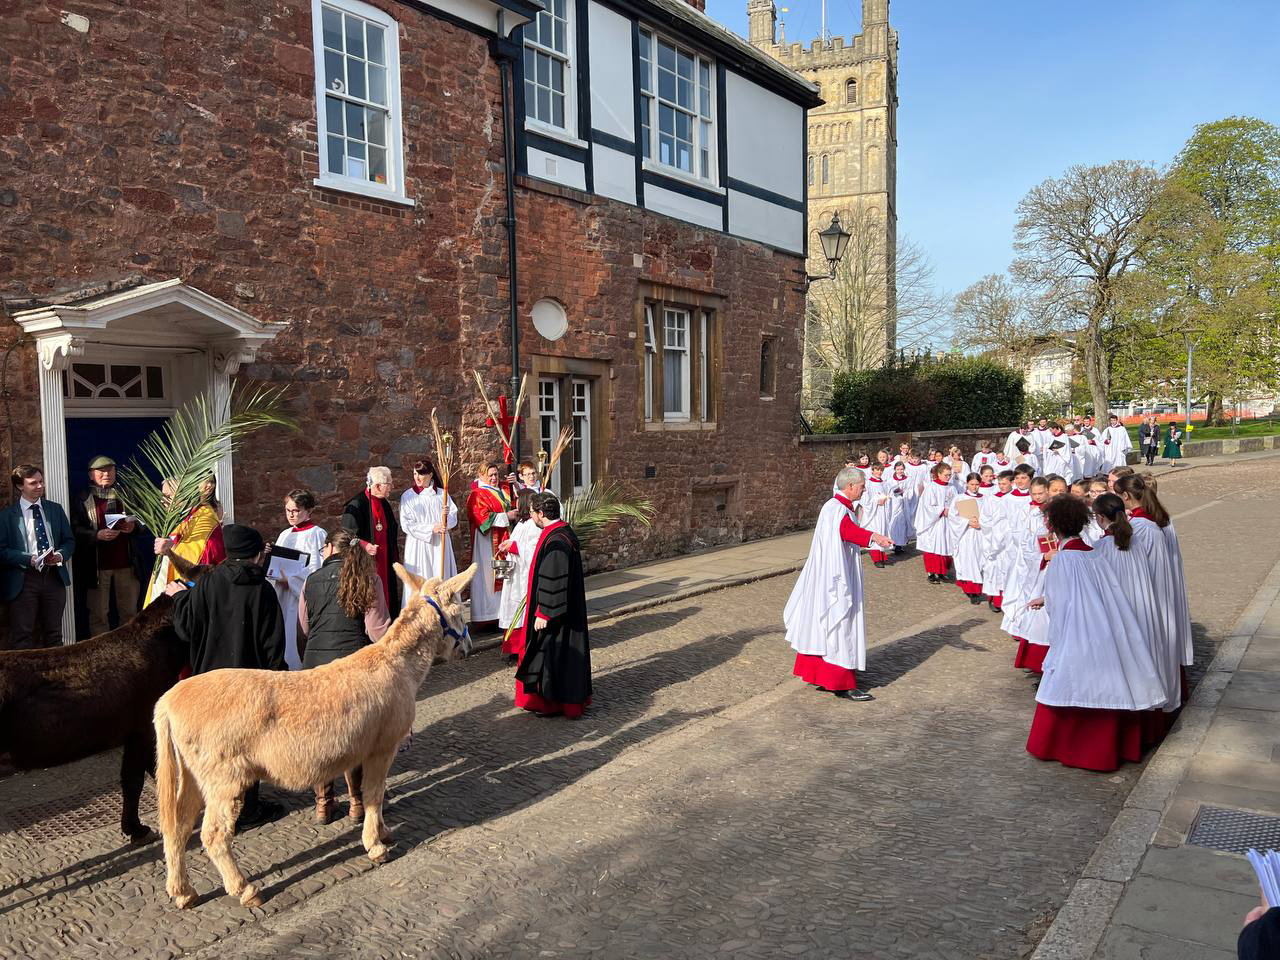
(708, 804)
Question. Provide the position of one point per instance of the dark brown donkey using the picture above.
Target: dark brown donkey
(60, 704)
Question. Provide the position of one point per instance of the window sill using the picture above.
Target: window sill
(354, 187)
(679, 426)
(555, 133)
(675, 173)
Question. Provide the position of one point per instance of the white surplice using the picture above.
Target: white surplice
(876, 506)
(1024, 581)
(1098, 657)
(1128, 569)
(310, 540)
(984, 459)
(1011, 443)
(1115, 444)
(419, 513)
(515, 587)
(995, 530)
(918, 476)
(1059, 462)
(1181, 608)
(900, 489)
(823, 615)
(966, 542)
(933, 535)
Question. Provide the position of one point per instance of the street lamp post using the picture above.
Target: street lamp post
(834, 239)
(1191, 349)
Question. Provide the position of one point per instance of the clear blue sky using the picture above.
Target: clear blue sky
(997, 96)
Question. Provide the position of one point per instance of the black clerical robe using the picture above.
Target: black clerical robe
(554, 674)
(231, 618)
(358, 518)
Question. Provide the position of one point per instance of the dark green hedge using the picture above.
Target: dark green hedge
(954, 393)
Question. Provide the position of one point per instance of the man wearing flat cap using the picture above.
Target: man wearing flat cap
(231, 618)
(112, 557)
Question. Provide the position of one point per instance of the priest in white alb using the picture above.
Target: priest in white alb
(1116, 445)
(823, 616)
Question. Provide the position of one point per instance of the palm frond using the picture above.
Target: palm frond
(187, 449)
(601, 504)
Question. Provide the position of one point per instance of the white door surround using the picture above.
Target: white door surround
(166, 315)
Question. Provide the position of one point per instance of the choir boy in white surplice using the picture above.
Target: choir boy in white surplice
(823, 616)
(995, 533)
(967, 545)
(1115, 444)
(1023, 455)
(1057, 459)
(1094, 704)
(289, 577)
(918, 476)
(876, 508)
(900, 490)
(1011, 441)
(427, 515)
(985, 457)
(933, 534)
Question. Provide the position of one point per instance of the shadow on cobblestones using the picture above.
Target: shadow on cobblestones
(892, 661)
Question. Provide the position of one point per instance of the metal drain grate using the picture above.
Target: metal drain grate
(76, 814)
(1234, 831)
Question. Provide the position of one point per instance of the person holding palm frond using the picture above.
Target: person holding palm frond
(197, 538)
(185, 451)
(520, 547)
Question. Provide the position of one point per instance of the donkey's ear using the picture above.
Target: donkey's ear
(410, 580)
(455, 585)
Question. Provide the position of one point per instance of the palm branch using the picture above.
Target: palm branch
(186, 450)
(603, 503)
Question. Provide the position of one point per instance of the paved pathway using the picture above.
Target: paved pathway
(708, 804)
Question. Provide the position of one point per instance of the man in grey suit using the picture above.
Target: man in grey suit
(35, 544)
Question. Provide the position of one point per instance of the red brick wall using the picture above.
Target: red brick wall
(173, 140)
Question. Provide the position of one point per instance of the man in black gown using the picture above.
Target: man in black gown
(554, 675)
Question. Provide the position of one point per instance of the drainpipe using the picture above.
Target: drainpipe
(505, 51)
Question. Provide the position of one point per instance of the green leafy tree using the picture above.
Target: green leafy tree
(1212, 272)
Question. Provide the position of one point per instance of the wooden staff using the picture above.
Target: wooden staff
(444, 467)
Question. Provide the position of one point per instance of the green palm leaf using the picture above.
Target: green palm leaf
(189, 446)
(601, 504)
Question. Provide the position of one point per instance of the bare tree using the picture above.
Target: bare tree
(877, 303)
(994, 315)
(1077, 236)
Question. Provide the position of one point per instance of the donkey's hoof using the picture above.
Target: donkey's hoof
(250, 896)
(379, 853)
(184, 900)
(140, 836)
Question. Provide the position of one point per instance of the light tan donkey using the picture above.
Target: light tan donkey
(218, 732)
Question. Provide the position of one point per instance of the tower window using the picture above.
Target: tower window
(851, 91)
(826, 168)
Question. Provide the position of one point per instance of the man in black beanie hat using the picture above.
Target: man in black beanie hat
(231, 618)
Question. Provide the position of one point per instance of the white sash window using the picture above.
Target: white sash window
(357, 55)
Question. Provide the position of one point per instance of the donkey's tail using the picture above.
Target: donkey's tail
(168, 772)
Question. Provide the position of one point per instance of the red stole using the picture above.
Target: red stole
(378, 520)
(482, 503)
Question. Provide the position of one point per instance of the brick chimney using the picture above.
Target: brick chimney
(699, 5)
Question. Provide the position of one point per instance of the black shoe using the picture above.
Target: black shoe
(264, 811)
(975, 598)
(879, 563)
(513, 659)
(933, 578)
(992, 605)
(897, 550)
(858, 695)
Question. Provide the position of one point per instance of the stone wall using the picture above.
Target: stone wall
(170, 140)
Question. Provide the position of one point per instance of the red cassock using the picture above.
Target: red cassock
(814, 669)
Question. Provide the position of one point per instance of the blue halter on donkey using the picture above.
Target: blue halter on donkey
(460, 640)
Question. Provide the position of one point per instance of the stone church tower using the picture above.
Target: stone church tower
(852, 169)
